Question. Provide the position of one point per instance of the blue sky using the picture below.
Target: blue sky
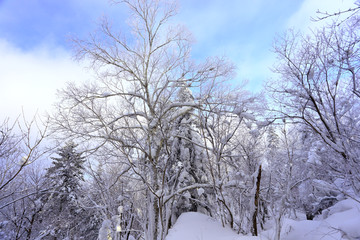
(36, 54)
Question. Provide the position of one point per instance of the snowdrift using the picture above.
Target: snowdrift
(341, 221)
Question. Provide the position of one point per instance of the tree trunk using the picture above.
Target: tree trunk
(256, 203)
(153, 208)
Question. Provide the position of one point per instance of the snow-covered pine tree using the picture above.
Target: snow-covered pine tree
(187, 166)
(62, 212)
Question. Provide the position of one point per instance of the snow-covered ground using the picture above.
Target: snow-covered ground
(341, 221)
(197, 226)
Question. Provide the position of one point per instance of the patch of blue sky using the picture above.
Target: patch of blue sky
(29, 23)
(241, 30)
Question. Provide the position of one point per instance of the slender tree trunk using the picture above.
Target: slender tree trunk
(256, 203)
(278, 218)
(277, 227)
(29, 230)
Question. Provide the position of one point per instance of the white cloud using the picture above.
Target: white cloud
(29, 80)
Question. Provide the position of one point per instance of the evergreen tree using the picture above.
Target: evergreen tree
(187, 165)
(62, 214)
(66, 173)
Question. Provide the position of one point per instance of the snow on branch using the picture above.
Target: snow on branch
(187, 188)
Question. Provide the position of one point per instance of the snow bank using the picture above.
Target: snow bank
(345, 217)
(341, 221)
(197, 226)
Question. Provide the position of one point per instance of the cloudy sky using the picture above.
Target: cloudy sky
(36, 53)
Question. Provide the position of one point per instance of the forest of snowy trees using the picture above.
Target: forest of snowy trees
(158, 134)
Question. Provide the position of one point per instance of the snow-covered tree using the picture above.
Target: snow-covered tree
(20, 145)
(62, 213)
(66, 173)
(231, 146)
(283, 173)
(114, 195)
(133, 106)
(20, 186)
(187, 165)
(319, 88)
(20, 214)
(250, 173)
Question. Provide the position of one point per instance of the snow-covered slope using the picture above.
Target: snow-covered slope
(197, 226)
(341, 221)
